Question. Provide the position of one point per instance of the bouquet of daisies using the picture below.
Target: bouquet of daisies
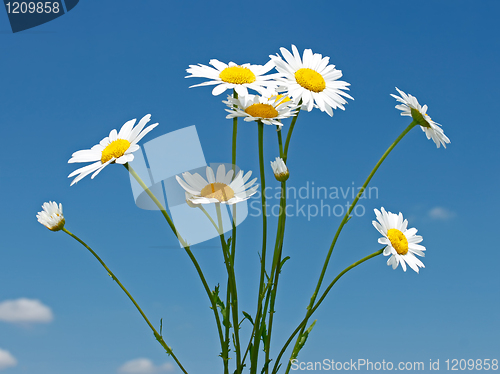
(299, 83)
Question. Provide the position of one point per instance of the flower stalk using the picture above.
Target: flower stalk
(343, 222)
(158, 337)
(259, 317)
(311, 311)
(189, 253)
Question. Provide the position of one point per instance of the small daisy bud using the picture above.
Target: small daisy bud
(280, 170)
(51, 216)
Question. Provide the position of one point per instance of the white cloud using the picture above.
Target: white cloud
(168, 367)
(6, 360)
(25, 311)
(441, 213)
(144, 366)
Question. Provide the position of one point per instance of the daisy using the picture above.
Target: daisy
(411, 107)
(401, 244)
(117, 147)
(280, 170)
(222, 188)
(312, 80)
(51, 216)
(268, 110)
(239, 77)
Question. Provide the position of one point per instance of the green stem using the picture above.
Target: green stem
(253, 331)
(233, 161)
(209, 217)
(235, 131)
(156, 334)
(218, 228)
(232, 290)
(313, 309)
(255, 350)
(346, 218)
(280, 141)
(275, 271)
(188, 251)
(289, 134)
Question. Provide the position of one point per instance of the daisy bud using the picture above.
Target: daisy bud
(51, 216)
(280, 170)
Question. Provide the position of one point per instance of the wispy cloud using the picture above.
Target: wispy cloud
(144, 366)
(440, 213)
(25, 311)
(6, 360)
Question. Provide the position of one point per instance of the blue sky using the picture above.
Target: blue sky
(67, 83)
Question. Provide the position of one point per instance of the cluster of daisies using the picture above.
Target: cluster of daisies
(305, 82)
(300, 83)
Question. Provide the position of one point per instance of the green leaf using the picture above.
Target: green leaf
(223, 310)
(247, 316)
(302, 340)
(263, 335)
(282, 263)
(264, 368)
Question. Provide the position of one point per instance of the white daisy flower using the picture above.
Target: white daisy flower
(117, 147)
(239, 77)
(312, 80)
(268, 110)
(410, 107)
(222, 188)
(51, 216)
(401, 242)
(280, 170)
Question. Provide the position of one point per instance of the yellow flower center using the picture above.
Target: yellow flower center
(398, 241)
(116, 149)
(421, 120)
(219, 191)
(310, 79)
(237, 75)
(280, 99)
(262, 111)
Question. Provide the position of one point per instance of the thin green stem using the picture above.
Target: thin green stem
(289, 134)
(188, 251)
(209, 217)
(280, 141)
(276, 269)
(227, 261)
(347, 217)
(231, 287)
(233, 161)
(253, 330)
(235, 131)
(233, 235)
(156, 201)
(255, 350)
(313, 309)
(112, 275)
